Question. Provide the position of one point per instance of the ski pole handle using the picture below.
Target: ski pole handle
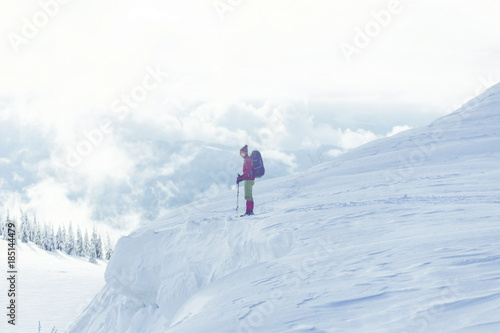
(238, 199)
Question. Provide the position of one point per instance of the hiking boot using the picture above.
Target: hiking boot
(248, 212)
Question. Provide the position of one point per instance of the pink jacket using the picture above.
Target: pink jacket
(247, 169)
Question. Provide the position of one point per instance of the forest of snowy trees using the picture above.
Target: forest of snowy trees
(66, 240)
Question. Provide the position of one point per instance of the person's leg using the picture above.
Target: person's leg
(248, 196)
(250, 207)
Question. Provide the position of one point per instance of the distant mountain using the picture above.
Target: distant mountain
(168, 175)
(399, 235)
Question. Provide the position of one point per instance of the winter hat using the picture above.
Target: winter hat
(244, 149)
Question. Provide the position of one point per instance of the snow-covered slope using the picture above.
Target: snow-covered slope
(399, 235)
(53, 288)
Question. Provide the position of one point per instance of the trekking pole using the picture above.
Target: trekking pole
(237, 199)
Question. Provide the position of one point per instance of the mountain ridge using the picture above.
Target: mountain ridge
(366, 242)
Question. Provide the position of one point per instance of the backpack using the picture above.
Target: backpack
(258, 165)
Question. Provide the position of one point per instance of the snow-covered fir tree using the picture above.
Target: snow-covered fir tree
(62, 240)
(93, 243)
(79, 250)
(49, 243)
(32, 230)
(69, 245)
(4, 226)
(92, 257)
(109, 248)
(45, 237)
(38, 234)
(24, 229)
(98, 248)
(49, 238)
(86, 244)
(57, 239)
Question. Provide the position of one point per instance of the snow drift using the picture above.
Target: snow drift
(46, 293)
(399, 235)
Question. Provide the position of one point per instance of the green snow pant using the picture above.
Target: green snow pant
(248, 189)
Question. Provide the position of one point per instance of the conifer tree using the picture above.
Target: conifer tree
(19, 225)
(38, 234)
(4, 227)
(32, 230)
(86, 244)
(16, 223)
(93, 243)
(51, 239)
(98, 248)
(79, 250)
(69, 245)
(24, 229)
(45, 237)
(109, 248)
(63, 238)
(57, 239)
(92, 251)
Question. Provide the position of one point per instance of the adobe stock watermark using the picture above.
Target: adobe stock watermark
(33, 24)
(223, 6)
(12, 266)
(364, 37)
(120, 109)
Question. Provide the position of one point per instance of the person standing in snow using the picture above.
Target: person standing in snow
(247, 178)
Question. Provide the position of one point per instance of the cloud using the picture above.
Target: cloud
(398, 129)
(108, 163)
(252, 78)
(49, 199)
(254, 54)
(155, 159)
(352, 139)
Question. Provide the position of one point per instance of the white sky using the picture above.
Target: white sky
(63, 68)
(90, 51)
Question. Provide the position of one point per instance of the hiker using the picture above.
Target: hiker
(247, 178)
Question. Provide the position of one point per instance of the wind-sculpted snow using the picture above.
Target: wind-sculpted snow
(159, 271)
(155, 268)
(399, 235)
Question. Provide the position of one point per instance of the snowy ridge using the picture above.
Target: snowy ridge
(399, 235)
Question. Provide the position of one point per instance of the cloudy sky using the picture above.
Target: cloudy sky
(94, 95)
